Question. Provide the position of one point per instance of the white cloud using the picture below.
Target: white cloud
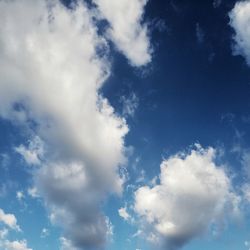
(123, 213)
(126, 29)
(240, 22)
(66, 244)
(15, 245)
(51, 73)
(33, 153)
(9, 220)
(33, 192)
(19, 195)
(193, 194)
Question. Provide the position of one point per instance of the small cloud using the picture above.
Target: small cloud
(137, 233)
(19, 195)
(159, 25)
(130, 36)
(9, 220)
(124, 214)
(33, 192)
(33, 153)
(239, 21)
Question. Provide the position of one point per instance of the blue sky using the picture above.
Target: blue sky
(124, 125)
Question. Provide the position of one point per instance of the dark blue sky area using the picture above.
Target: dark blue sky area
(194, 89)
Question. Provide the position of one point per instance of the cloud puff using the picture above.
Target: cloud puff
(193, 194)
(53, 64)
(124, 213)
(240, 22)
(15, 245)
(9, 220)
(126, 29)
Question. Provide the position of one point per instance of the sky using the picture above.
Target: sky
(124, 124)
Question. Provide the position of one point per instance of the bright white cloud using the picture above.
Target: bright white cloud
(15, 245)
(240, 22)
(51, 73)
(193, 194)
(123, 213)
(126, 29)
(9, 220)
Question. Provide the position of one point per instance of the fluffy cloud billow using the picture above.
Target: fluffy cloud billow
(51, 73)
(239, 21)
(126, 30)
(193, 194)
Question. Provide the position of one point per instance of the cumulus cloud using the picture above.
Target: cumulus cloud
(126, 29)
(9, 220)
(51, 72)
(193, 194)
(124, 213)
(240, 22)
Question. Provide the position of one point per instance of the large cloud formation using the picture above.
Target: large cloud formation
(52, 66)
(240, 22)
(193, 194)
